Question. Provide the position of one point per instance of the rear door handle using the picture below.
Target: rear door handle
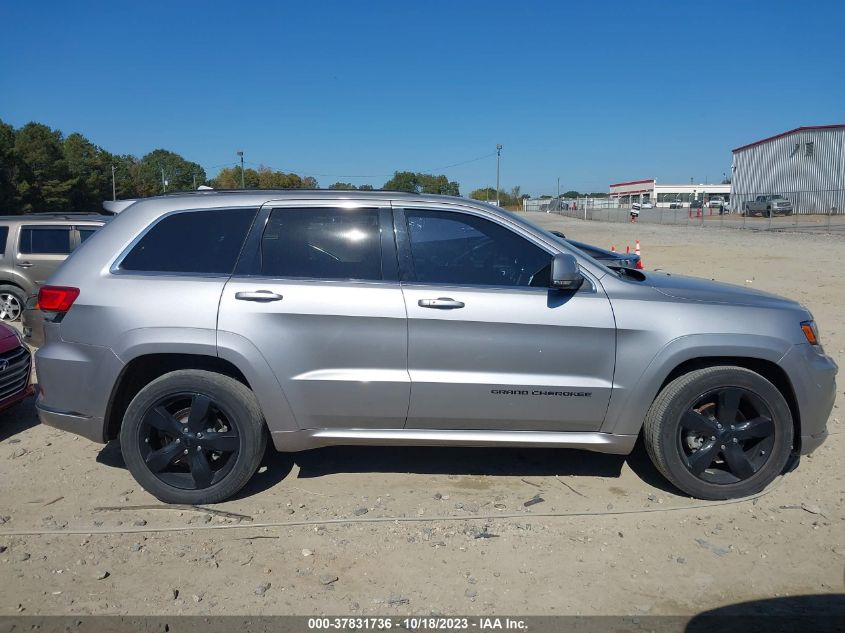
(24, 265)
(261, 296)
(441, 303)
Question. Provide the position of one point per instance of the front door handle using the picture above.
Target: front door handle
(441, 303)
(24, 265)
(261, 296)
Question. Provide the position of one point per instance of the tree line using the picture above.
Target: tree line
(42, 170)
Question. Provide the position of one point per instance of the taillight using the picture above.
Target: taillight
(640, 265)
(57, 298)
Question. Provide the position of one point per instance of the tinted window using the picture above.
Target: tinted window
(462, 249)
(322, 244)
(192, 242)
(48, 240)
(4, 234)
(84, 234)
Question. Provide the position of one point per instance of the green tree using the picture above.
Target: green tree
(44, 182)
(422, 183)
(90, 168)
(343, 186)
(9, 200)
(572, 194)
(161, 164)
(365, 188)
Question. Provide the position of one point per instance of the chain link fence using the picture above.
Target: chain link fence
(810, 210)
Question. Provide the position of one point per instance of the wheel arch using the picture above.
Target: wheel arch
(634, 390)
(769, 370)
(143, 369)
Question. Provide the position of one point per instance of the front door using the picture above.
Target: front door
(321, 301)
(490, 345)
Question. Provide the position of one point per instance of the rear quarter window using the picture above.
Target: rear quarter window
(4, 236)
(192, 242)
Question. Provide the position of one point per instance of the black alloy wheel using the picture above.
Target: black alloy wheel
(193, 436)
(726, 436)
(188, 441)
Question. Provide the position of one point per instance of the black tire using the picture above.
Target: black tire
(234, 418)
(14, 294)
(685, 401)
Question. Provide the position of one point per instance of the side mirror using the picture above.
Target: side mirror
(566, 275)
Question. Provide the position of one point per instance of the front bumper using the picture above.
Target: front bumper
(813, 377)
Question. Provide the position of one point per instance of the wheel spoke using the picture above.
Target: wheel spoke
(738, 462)
(698, 423)
(159, 460)
(755, 428)
(160, 419)
(200, 408)
(728, 406)
(701, 459)
(200, 469)
(226, 442)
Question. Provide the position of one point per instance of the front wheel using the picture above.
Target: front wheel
(193, 437)
(719, 433)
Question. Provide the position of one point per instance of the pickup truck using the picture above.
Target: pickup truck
(768, 205)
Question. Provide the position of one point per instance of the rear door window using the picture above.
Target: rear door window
(322, 244)
(4, 236)
(192, 242)
(45, 240)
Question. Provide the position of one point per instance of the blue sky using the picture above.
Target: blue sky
(591, 92)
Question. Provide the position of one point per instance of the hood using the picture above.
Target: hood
(695, 289)
(7, 331)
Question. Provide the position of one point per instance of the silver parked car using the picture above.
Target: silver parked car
(319, 318)
(32, 247)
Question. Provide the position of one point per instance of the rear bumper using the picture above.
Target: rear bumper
(88, 427)
(74, 386)
(813, 377)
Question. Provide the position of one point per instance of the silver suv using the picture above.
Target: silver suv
(32, 247)
(195, 327)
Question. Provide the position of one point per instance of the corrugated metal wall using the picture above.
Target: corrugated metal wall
(811, 176)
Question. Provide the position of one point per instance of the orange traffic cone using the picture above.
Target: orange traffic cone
(627, 249)
(612, 249)
(637, 249)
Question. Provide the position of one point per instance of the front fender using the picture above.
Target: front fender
(635, 387)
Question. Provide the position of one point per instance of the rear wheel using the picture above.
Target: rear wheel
(719, 433)
(11, 303)
(193, 437)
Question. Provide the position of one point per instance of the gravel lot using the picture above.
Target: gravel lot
(463, 540)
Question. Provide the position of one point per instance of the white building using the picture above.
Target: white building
(806, 165)
(666, 195)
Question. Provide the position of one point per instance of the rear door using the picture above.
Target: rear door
(490, 345)
(41, 250)
(317, 293)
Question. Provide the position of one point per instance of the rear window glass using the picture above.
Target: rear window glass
(47, 240)
(205, 242)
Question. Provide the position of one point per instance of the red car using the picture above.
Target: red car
(15, 368)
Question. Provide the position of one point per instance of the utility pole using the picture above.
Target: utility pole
(241, 154)
(498, 158)
(195, 181)
(113, 189)
(558, 188)
(163, 182)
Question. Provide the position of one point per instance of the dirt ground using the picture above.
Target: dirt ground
(441, 530)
